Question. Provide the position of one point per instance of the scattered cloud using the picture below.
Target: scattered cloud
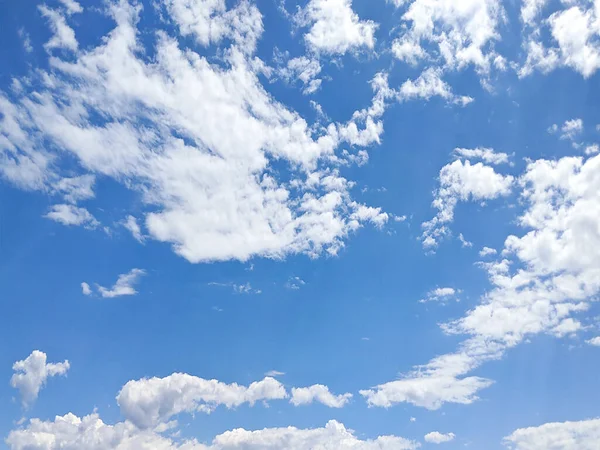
(435, 437)
(303, 69)
(151, 401)
(487, 251)
(464, 243)
(318, 393)
(274, 373)
(569, 130)
(462, 181)
(124, 285)
(487, 155)
(72, 215)
(583, 435)
(430, 84)
(335, 28)
(85, 289)
(132, 225)
(70, 431)
(594, 341)
(441, 295)
(63, 35)
(31, 375)
(294, 283)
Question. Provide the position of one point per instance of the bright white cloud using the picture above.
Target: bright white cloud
(303, 69)
(72, 6)
(72, 215)
(335, 28)
(76, 188)
(487, 155)
(203, 168)
(557, 277)
(583, 435)
(430, 84)
(209, 22)
(435, 437)
(568, 130)
(70, 432)
(85, 289)
(487, 251)
(151, 401)
(464, 242)
(134, 228)
(594, 341)
(318, 393)
(63, 35)
(31, 375)
(574, 40)
(462, 181)
(452, 34)
(124, 285)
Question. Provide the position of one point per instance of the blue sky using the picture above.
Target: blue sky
(324, 225)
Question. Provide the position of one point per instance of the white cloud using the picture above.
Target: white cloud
(435, 437)
(462, 181)
(464, 242)
(456, 34)
(63, 35)
(203, 168)
(335, 28)
(583, 435)
(568, 130)
(72, 215)
(31, 375)
(318, 393)
(592, 149)
(151, 401)
(557, 276)
(440, 294)
(24, 35)
(438, 382)
(487, 251)
(304, 69)
(594, 341)
(430, 84)
(76, 188)
(70, 432)
(487, 155)
(85, 289)
(274, 373)
(294, 283)
(72, 6)
(132, 225)
(124, 285)
(574, 38)
(209, 22)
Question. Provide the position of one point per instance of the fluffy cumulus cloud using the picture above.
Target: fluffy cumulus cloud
(149, 402)
(202, 168)
(487, 155)
(452, 35)
(124, 285)
(435, 437)
(318, 393)
(70, 432)
(149, 405)
(583, 435)
(335, 28)
(31, 375)
(574, 36)
(594, 341)
(462, 181)
(303, 69)
(549, 275)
